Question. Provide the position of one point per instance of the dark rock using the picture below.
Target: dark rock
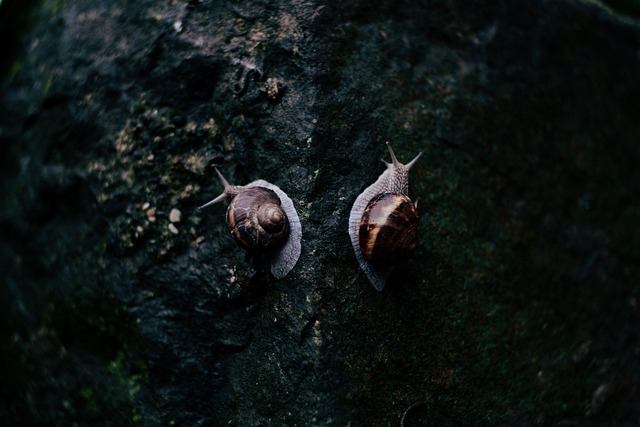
(519, 307)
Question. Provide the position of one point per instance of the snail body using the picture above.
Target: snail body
(383, 223)
(262, 219)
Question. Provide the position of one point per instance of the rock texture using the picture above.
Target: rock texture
(519, 308)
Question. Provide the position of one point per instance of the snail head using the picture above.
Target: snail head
(229, 191)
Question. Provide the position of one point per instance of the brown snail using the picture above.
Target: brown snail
(261, 218)
(383, 223)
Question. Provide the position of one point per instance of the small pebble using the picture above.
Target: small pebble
(197, 242)
(151, 214)
(145, 206)
(173, 229)
(175, 215)
(191, 127)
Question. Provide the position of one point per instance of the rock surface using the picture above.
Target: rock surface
(519, 308)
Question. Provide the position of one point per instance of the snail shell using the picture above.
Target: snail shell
(257, 221)
(383, 223)
(262, 219)
(388, 231)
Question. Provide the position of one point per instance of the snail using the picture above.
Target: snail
(383, 223)
(261, 218)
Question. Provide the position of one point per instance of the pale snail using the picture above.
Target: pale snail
(262, 219)
(383, 223)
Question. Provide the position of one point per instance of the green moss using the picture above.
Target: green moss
(138, 108)
(55, 7)
(16, 67)
(47, 85)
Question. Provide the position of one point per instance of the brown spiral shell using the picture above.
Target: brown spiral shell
(256, 220)
(383, 222)
(388, 231)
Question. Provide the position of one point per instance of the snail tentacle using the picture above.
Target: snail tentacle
(227, 193)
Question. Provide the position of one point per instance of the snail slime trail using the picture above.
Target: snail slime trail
(262, 219)
(383, 223)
